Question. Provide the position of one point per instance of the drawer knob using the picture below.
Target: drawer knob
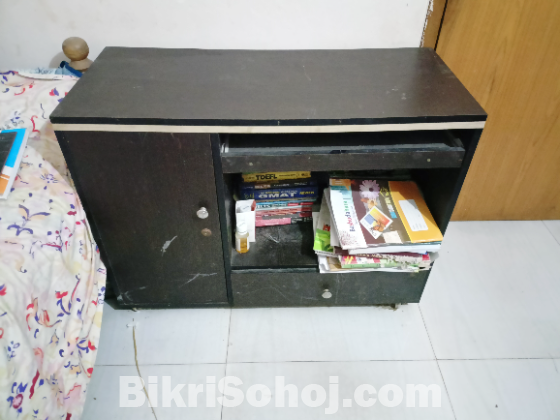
(202, 213)
(206, 232)
(327, 294)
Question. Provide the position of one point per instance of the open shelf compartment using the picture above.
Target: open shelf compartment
(291, 246)
(279, 247)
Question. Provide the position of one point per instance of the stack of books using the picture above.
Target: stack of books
(282, 198)
(375, 225)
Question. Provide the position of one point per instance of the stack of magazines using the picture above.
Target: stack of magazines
(282, 198)
(375, 225)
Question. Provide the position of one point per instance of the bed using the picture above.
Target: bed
(52, 280)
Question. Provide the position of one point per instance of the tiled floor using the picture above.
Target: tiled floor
(487, 332)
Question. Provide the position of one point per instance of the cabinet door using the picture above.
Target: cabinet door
(141, 192)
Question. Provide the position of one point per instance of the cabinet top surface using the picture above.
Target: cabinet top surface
(188, 87)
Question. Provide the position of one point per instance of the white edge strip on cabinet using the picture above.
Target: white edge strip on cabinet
(267, 129)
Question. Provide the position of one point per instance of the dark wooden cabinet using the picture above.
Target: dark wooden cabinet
(152, 136)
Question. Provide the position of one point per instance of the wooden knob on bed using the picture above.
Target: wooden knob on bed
(77, 50)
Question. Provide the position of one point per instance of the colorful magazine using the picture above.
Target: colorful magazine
(332, 265)
(368, 214)
(381, 261)
(406, 257)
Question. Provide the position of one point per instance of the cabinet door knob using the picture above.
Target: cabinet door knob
(202, 213)
(206, 232)
(327, 294)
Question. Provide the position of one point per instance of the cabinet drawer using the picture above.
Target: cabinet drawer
(283, 288)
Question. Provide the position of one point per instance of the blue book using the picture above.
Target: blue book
(13, 160)
(280, 194)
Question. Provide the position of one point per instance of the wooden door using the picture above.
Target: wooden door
(507, 54)
(141, 192)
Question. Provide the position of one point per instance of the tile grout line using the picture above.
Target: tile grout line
(437, 362)
(332, 361)
(227, 354)
(337, 361)
(161, 364)
(500, 358)
(549, 231)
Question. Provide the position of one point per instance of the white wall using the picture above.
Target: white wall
(32, 31)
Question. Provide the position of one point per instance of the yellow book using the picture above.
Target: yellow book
(414, 213)
(274, 176)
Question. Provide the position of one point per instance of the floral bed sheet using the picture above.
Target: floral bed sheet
(52, 281)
